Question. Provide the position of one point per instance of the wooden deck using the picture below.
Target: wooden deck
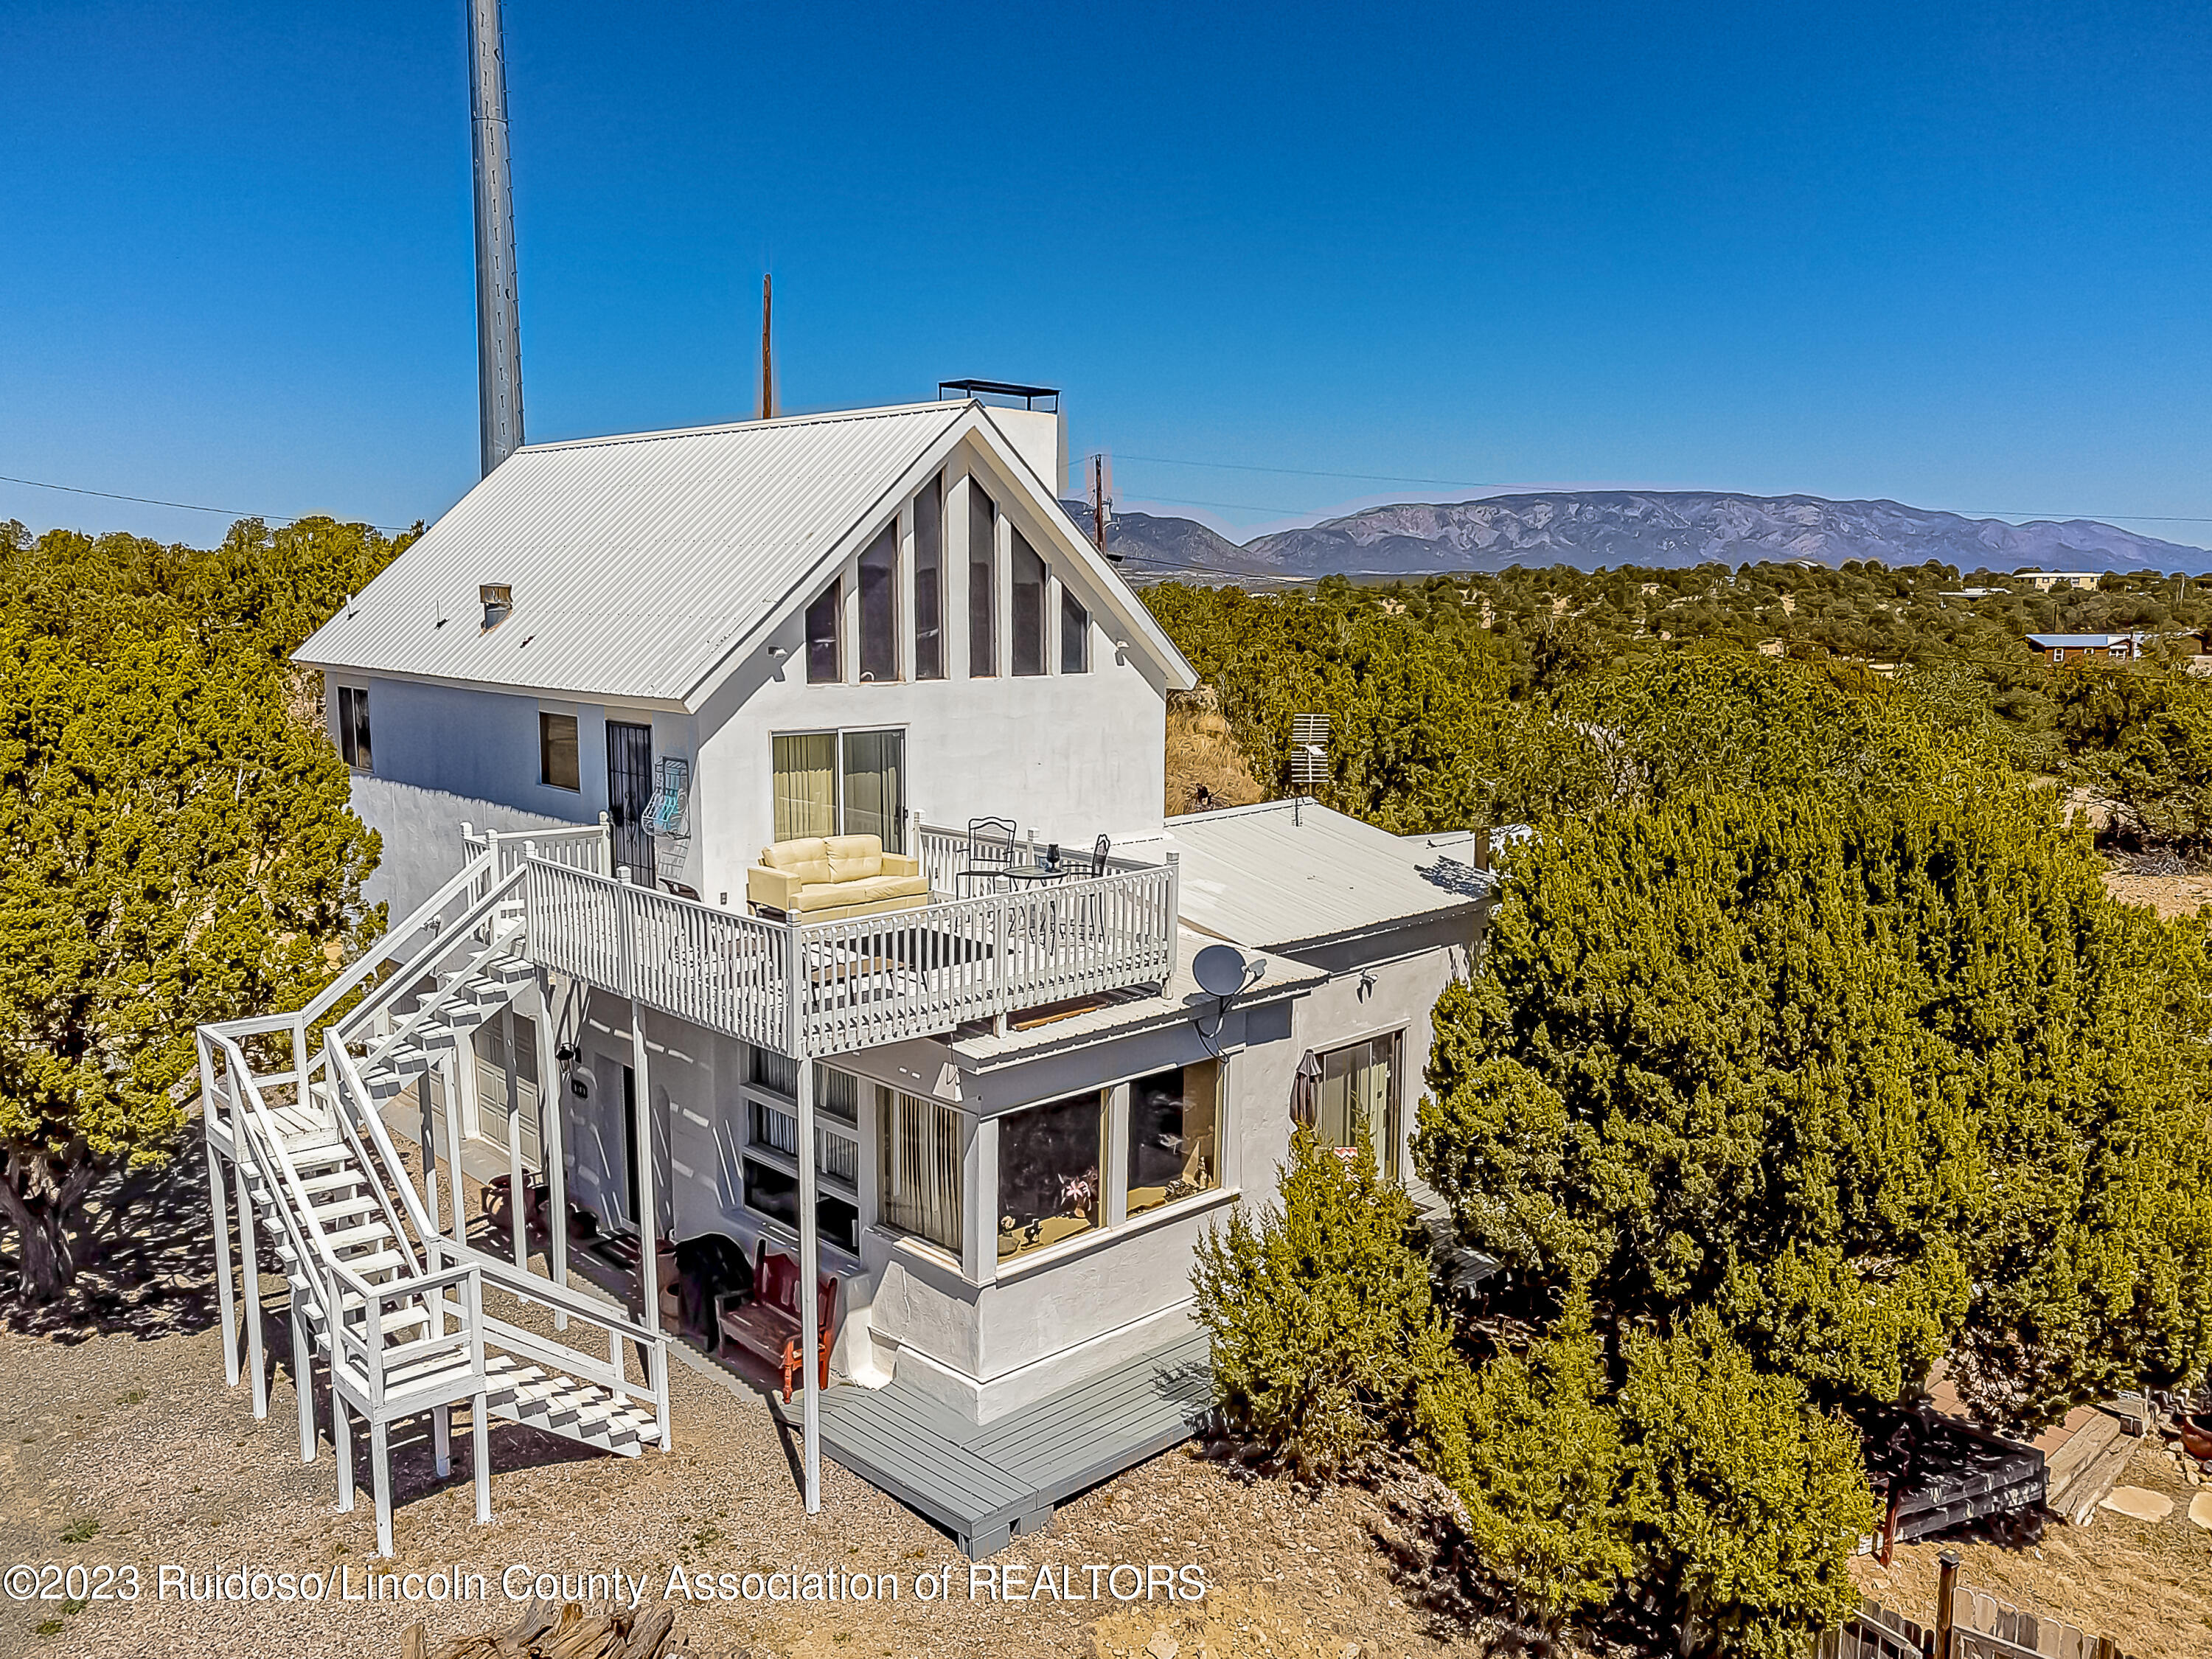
(984, 1482)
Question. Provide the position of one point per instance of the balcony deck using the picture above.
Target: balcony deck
(984, 1482)
(813, 989)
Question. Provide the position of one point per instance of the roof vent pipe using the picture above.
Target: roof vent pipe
(498, 600)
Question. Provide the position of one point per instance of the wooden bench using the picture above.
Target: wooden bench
(767, 1321)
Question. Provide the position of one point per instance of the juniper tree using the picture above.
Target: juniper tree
(174, 848)
(1320, 1314)
(1744, 1504)
(1530, 1445)
(1873, 1080)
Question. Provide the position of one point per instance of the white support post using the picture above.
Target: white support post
(249, 1259)
(451, 1068)
(810, 1300)
(429, 1147)
(303, 1376)
(218, 1203)
(342, 1447)
(1174, 910)
(480, 1454)
(226, 1294)
(648, 1207)
(552, 1108)
(379, 1475)
(517, 1210)
(442, 1438)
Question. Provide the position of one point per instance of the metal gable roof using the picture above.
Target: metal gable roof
(636, 562)
(1285, 873)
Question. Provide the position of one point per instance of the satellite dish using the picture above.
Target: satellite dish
(1219, 970)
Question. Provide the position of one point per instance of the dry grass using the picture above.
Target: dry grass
(1206, 768)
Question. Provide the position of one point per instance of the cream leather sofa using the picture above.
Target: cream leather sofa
(822, 878)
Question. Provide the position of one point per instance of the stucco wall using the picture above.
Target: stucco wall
(421, 831)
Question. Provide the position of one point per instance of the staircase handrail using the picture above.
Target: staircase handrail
(352, 1095)
(501, 939)
(505, 1275)
(393, 940)
(268, 1144)
(424, 961)
(336, 1065)
(530, 1287)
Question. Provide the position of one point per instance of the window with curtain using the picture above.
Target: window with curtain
(1356, 1101)
(982, 583)
(919, 1167)
(1049, 1160)
(1174, 1119)
(1074, 634)
(874, 788)
(1028, 607)
(557, 766)
(805, 785)
(353, 728)
(879, 606)
(929, 582)
(824, 664)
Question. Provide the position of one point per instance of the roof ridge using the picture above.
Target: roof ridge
(824, 417)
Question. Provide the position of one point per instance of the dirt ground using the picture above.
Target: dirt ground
(2170, 896)
(2146, 1584)
(119, 1444)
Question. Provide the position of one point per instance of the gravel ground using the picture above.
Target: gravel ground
(119, 1444)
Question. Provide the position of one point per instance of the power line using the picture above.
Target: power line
(187, 506)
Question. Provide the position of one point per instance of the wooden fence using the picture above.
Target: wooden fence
(1979, 1626)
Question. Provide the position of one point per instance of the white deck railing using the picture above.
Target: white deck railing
(810, 989)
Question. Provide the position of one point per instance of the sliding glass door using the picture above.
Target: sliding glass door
(850, 783)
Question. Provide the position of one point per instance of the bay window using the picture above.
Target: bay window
(1051, 1158)
(1174, 1119)
(918, 1167)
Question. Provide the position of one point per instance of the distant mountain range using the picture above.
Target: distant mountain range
(1609, 528)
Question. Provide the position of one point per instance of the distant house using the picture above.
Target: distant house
(2084, 581)
(2056, 648)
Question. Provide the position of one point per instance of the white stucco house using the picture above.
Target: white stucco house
(987, 1081)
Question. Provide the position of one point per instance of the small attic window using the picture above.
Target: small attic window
(498, 600)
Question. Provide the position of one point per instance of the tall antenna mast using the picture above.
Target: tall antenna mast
(499, 329)
(767, 357)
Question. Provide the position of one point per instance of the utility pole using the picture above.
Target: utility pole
(499, 329)
(768, 359)
(1100, 500)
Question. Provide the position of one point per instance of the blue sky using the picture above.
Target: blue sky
(1954, 254)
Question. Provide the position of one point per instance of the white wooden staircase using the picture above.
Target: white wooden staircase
(392, 1306)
